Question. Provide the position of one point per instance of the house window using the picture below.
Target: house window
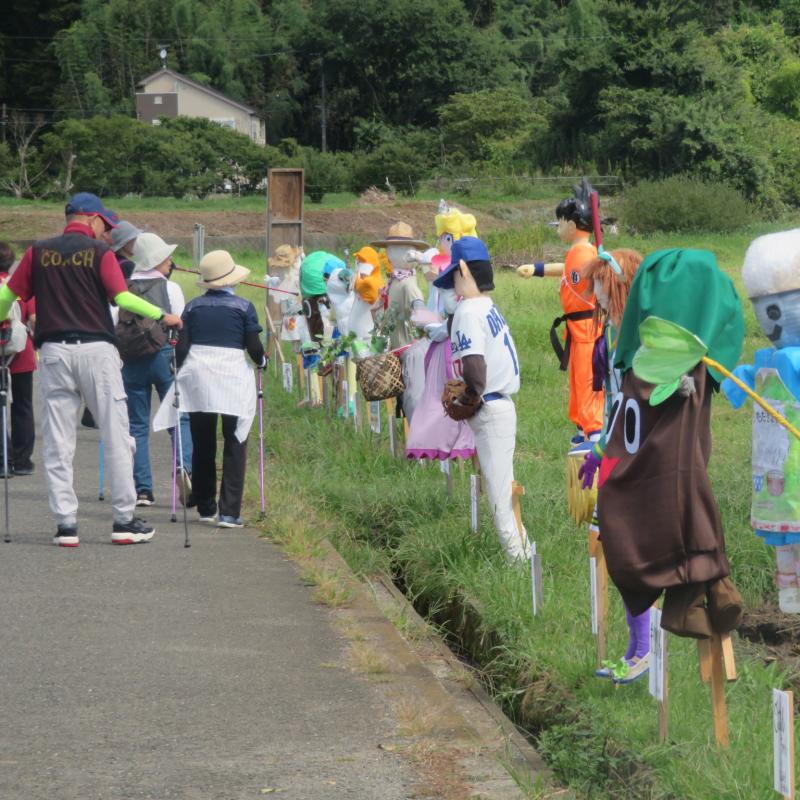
(225, 122)
(156, 122)
(158, 100)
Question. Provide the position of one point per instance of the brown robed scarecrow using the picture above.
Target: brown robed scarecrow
(661, 528)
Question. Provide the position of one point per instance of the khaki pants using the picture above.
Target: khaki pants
(495, 430)
(70, 375)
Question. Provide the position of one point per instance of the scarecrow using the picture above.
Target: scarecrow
(403, 297)
(293, 327)
(367, 284)
(771, 275)
(433, 434)
(659, 522)
(578, 303)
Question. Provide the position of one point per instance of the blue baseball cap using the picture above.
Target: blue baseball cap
(333, 263)
(88, 203)
(467, 248)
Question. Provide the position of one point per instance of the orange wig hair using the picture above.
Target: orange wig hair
(616, 286)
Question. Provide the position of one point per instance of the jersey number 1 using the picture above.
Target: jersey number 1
(510, 347)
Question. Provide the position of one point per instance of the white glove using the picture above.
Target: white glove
(273, 281)
(437, 331)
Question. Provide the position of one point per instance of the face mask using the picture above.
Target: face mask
(397, 255)
(449, 300)
(779, 317)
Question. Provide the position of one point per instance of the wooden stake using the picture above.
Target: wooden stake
(301, 384)
(728, 657)
(601, 595)
(719, 708)
(517, 491)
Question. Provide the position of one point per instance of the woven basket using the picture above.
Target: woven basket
(380, 377)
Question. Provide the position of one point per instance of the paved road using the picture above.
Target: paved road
(151, 671)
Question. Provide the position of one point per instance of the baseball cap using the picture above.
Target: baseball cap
(88, 203)
(467, 248)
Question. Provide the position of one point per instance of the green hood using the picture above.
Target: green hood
(686, 287)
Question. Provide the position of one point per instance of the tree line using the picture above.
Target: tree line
(414, 88)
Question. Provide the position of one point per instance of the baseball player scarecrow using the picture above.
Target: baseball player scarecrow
(659, 522)
(485, 359)
(771, 275)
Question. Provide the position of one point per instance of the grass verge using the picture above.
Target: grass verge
(387, 514)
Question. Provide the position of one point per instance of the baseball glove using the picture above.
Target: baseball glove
(458, 405)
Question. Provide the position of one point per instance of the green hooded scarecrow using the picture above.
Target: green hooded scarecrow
(661, 528)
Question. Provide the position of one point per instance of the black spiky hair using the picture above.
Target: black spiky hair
(578, 209)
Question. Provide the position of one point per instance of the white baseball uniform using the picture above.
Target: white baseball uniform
(479, 329)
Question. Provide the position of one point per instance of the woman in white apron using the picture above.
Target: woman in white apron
(216, 379)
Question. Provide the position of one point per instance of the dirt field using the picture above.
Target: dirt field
(25, 223)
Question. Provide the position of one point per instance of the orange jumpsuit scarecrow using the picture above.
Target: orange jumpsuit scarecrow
(577, 301)
(585, 405)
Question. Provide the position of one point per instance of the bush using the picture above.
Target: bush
(404, 159)
(325, 172)
(685, 204)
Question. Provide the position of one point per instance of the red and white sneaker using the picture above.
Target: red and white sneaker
(66, 536)
(132, 532)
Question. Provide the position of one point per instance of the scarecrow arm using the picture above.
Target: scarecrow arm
(473, 369)
(747, 374)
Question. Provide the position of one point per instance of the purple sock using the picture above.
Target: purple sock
(641, 625)
(629, 653)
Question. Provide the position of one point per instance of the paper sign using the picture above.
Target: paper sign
(658, 656)
(375, 416)
(473, 503)
(288, 377)
(770, 440)
(392, 436)
(346, 395)
(444, 466)
(783, 742)
(593, 585)
(308, 385)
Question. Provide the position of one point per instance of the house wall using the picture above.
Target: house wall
(193, 102)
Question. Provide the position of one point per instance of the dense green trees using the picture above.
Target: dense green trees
(414, 87)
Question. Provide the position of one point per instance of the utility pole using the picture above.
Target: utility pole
(323, 108)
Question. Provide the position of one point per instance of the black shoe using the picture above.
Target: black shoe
(145, 498)
(132, 532)
(87, 420)
(9, 474)
(66, 536)
(25, 469)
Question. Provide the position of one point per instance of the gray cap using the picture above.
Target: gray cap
(124, 233)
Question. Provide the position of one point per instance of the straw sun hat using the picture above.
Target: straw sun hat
(401, 233)
(284, 257)
(218, 269)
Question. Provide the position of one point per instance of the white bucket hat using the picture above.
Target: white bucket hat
(218, 269)
(150, 251)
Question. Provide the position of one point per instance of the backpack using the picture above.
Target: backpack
(139, 337)
(18, 336)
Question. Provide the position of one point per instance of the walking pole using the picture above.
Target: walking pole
(101, 490)
(5, 336)
(261, 436)
(173, 341)
(174, 517)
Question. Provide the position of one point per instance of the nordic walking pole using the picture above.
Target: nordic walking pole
(174, 517)
(5, 336)
(101, 459)
(173, 341)
(261, 436)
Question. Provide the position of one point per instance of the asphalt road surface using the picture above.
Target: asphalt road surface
(153, 671)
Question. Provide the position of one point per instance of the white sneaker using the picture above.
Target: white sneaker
(638, 669)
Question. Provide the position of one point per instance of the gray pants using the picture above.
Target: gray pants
(70, 375)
